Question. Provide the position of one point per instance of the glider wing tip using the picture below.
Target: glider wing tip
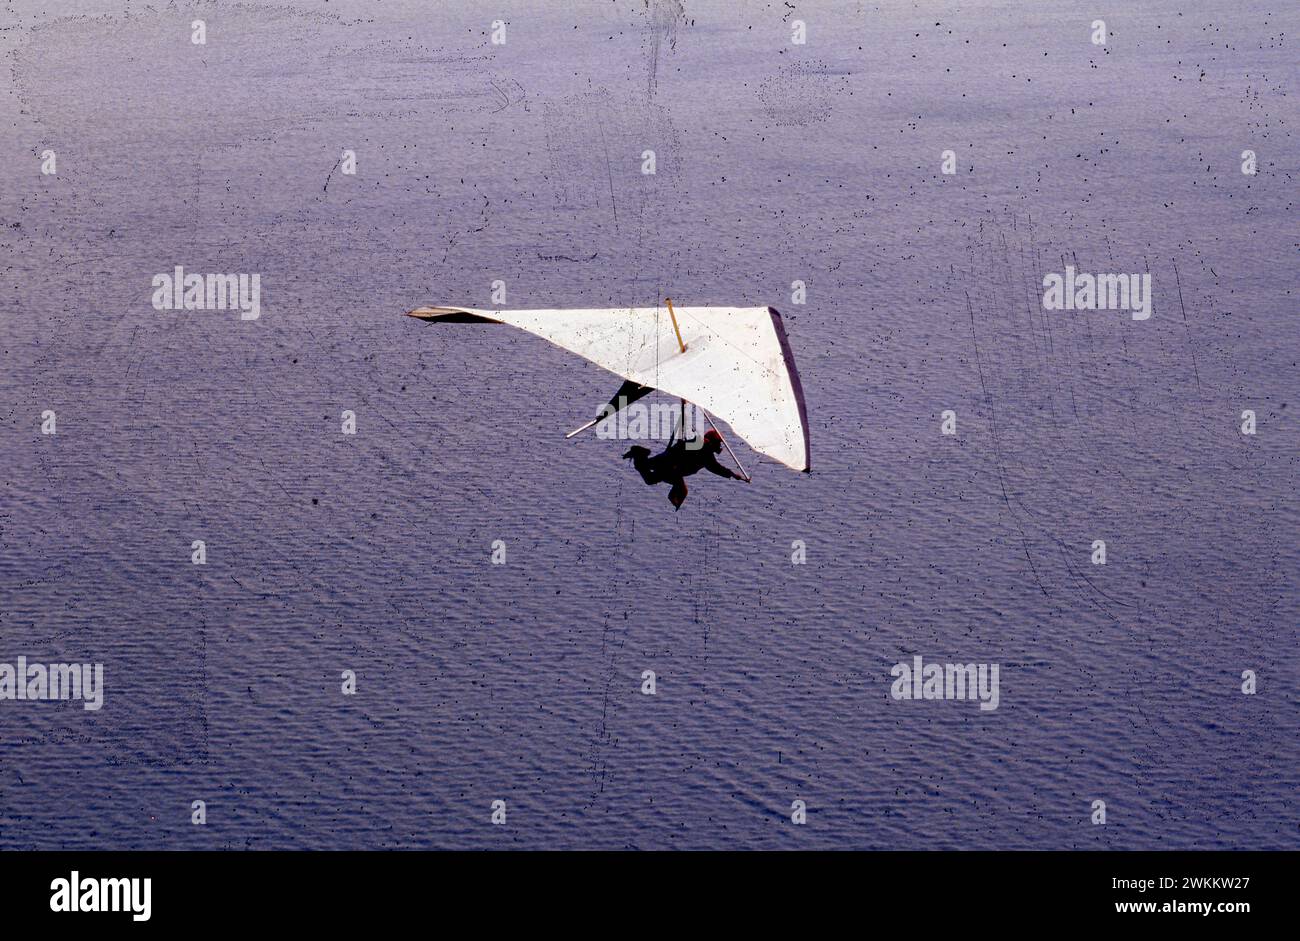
(448, 315)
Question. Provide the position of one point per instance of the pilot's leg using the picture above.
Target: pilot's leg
(642, 462)
(678, 494)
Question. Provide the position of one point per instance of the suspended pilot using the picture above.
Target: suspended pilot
(678, 461)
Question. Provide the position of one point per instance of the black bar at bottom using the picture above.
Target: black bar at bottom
(300, 890)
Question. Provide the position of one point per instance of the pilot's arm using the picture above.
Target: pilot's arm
(714, 467)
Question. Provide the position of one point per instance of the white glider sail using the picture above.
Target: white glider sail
(737, 363)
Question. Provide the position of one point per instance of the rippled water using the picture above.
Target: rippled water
(521, 682)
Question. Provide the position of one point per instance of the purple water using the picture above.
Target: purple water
(522, 682)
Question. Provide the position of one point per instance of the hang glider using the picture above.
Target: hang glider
(734, 362)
